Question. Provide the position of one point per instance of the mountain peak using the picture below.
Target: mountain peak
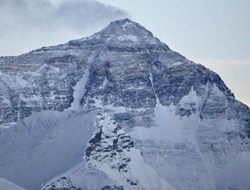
(126, 25)
(125, 30)
(122, 22)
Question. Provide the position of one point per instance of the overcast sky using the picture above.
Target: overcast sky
(215, 33)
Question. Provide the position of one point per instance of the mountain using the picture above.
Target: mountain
(119, 110)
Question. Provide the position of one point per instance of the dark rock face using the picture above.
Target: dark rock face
(127, 65)
(43, 79)
(112, 188)
(173, 83)
(37, 84)
(110, 141)
(66, 185)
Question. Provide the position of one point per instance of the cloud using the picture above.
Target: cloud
(28, 24)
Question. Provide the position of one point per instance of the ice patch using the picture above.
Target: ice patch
(177, 63)
(79, 91)
(7, 125)
(169, 126)
(14, 81)
(105, 82)
(128, 38)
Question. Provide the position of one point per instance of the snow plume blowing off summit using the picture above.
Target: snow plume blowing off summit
(119, 110)
(27, 24)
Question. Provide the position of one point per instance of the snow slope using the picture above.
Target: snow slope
(6, 185)
(44, 145)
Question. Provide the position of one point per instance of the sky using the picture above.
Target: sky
(215, 33)
(30, 24)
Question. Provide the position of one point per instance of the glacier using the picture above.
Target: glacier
(119, 110)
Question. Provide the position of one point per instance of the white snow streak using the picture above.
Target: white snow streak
(79, 91)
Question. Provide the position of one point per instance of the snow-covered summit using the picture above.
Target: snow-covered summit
(122, 31)
(125, 27)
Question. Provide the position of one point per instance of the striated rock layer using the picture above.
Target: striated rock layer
(164, 122)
